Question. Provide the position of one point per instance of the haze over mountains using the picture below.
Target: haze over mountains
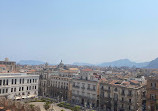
(117, 63)
(30, 62)
(153, 64)
(124, 62)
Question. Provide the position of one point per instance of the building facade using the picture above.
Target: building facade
(59, 88)
(9, 66)
(18, 85)
(115, 96)
(152, 93)
(85, 89)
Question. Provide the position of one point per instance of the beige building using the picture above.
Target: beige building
(56, 83)
(121, 96)
(59, 88)
(85, 89)
(152, 93)
(7, 66)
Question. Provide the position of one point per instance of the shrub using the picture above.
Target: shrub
(46, 105)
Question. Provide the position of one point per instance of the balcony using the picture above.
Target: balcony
(130, 95)
(107, 90)
(123, 94)
(91, 89)
(76, 87)
(108, 98)
(82, 87)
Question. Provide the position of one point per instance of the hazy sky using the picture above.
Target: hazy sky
(90, 31)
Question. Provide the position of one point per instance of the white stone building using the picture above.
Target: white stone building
(85, 89)
(18, 85)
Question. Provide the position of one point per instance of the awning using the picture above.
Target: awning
(31, 96)
(18, 97)
(24, 96)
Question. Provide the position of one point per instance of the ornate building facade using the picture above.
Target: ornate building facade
(121, 96)
(7, 66)
(85, 89)
(152, 93)
(18, 85)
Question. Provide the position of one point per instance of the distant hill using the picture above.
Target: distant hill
(153, 64)
(30, 62)
(124, 62)
(117, 63)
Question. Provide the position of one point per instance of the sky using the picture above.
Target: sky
(89, 31)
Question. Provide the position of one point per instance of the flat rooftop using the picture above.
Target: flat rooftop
(15, 75)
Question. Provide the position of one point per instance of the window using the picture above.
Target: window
(152, 96)
(102, 87)
(130, 93)
(94, 87)
(19, 88)
(11, 89)
(23, 93)
(7, 82)
(108, 95)
(27, 80)
(3, 82)
(115, 96)
(15, 81)
(129, 100)
(14, 89)
(0, 91)
(123, 92)
(23, 81)
(0, 82)
(22, 88)
(20, 81)
(83, 85)
(33, 80)
(30, 88)
(88, 86)
(6, 90)
(122, 99)
(3, 91)
(27, 88)
(153, 85)
(129, 107)
(35, 87)
(12, 81)
(122, 106)
(30, 80)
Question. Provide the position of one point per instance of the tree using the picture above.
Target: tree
(46, 105)
(32, 106)
(77, 108)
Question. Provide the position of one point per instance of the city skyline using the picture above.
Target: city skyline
(79, 31)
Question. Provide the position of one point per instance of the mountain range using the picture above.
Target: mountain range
(117, 63)
(153, 64)
(124, 62)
